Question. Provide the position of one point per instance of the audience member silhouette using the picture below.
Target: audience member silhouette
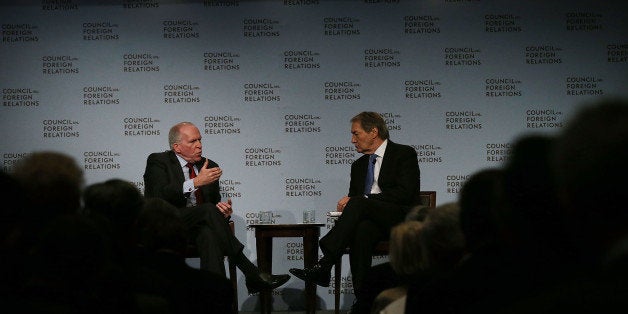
(405, 260)
(163, 272)
(441, 249)
(382, 276)
(64, 263)
(13, 254)
(482, 266)
(115, 205)
(69, 271)
(480, 206)
(51, 184)
(530, 250)
(590, 170)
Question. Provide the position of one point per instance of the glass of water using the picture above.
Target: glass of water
(265, 217)
(309, 216)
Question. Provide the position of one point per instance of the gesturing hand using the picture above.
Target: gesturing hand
(207, 175)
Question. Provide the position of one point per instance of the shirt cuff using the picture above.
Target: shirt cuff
(188, 186)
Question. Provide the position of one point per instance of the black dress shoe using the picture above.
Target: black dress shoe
(265, 281)
(318, 274)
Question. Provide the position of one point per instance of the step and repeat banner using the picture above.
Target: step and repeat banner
(272, 86)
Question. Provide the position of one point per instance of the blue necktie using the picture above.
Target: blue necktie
(368, 184)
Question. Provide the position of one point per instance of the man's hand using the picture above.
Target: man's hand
(207, 175)
(342, 203)
(225, 208)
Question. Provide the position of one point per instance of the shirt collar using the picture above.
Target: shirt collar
(181, 160)
(381, 149)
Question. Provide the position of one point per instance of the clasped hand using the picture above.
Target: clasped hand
(225, 208)
(342, 203)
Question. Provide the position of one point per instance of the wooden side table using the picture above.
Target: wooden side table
(264, 234)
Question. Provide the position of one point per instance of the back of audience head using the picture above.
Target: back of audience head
(114, 205)
(417, 213)
(405, 245)
(591, 170)
(479, 201)
(117, 200)
(52, 184)
(442, 241)
(530, 200)
(404, 248)
(161, 228)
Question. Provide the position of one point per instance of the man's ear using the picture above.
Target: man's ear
(375, 132)
(175, 147)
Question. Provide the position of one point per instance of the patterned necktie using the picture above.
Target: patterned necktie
(370, 177)
(197, 194)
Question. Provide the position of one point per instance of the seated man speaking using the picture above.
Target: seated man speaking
(190, 182)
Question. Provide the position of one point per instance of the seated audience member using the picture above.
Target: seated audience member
(523, 246)
(441, 249)
(480, 224)
(12, 251)
(69, 271)
(541, 255)
(382, 276)
(480, 203)
(115, 205)
(405, 261)
(64, 265)
(590, 169)
(163, 272)
(52, 183)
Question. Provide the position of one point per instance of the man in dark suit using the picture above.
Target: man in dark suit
(190, 182)
(373, 206)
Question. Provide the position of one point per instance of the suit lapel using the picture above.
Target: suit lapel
(387, 162)
(172, 157)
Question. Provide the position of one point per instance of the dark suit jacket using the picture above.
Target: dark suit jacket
(163, 178)
(399, 176)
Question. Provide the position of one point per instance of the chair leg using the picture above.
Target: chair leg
(233, 276)
(234, 283)
(337, 270)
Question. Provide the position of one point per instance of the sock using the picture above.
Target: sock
(327, 262)
(245, 265)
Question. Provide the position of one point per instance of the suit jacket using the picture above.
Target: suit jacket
(163, 178)
(399, 176)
